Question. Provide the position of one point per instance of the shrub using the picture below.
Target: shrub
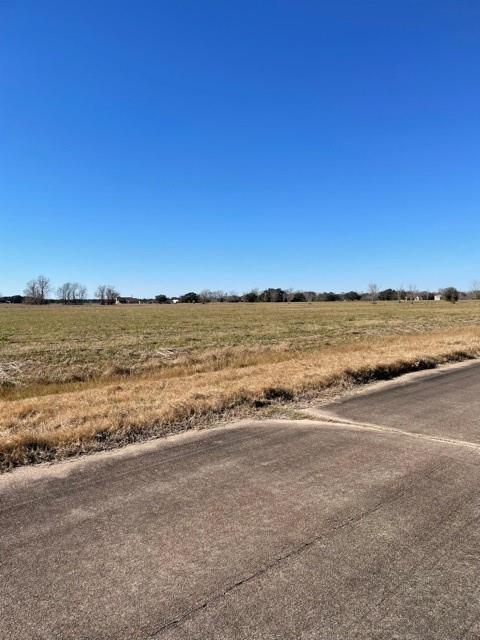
(451, 294)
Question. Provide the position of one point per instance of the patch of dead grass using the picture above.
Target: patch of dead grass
(108, 412)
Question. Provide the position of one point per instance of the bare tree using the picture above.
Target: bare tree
(412, 292)
(232, 296)
(220, 295)
(205, 296)
(100, 293)
(81, 293)
(111, 294)
(475, 291)
(44, 287)
(78, 293)
(63, 292)
(72, 293)
(373, 291)
(106, 293)
(37, 290)
(31, 292)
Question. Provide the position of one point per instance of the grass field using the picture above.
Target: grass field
(83, 378)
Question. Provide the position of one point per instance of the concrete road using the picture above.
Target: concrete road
(362, 525)
(444, 402)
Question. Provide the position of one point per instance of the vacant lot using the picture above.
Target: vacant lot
(75, 379)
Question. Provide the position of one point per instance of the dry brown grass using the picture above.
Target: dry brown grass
(286, 351)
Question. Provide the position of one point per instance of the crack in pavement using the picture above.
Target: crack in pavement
(280, 559)
(326, 419)
(424, 561)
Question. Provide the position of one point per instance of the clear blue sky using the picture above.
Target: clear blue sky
(165, 146)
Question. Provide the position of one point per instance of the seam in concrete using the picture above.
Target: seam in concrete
(280, 559)
(331, 418)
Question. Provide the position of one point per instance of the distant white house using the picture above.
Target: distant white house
(175, 300)
(437, 297)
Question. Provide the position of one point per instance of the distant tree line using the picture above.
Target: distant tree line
(38, 291)
(289, 295)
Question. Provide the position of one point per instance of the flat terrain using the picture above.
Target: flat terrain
(365, 525)
(61, 344)
(78, 379)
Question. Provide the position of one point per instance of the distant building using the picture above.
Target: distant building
(175, 300)
(437, 297)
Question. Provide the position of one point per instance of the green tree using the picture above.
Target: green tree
(388, 294)
(273, 295)
(251, 296)
(352, 295)
(191, 297)
(298, 296)
(451, 294)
